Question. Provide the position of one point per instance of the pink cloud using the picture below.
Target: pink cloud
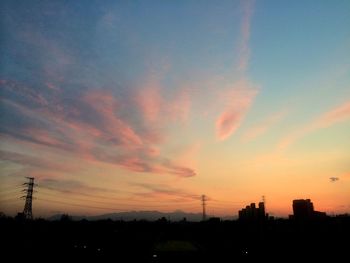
(238, 101)
(150, 165)
(137, 165)
(35, 162)
(107, 107)
(263, 126)
(45, 137)
(153, 151)
(239, 97)
(227, 123)
(155, 191)
(178, 170)
(159, 109)
(332, 117)
(59, 133)
(96, 129)
(150, 101)
(339, 114)
(181, 171)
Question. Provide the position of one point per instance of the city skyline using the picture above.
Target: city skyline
(303, 209)
(149, 106)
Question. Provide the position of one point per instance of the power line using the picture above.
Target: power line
(225, 201)
(79, 205)
(108, 198)
(87, 197)
(108, 203)
(128, 199)
(185, 206)
(89, 206)
(5, 189)
(223, 207)
(10, 200)
(133, 200)
(10, 192)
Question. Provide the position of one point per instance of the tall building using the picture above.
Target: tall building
(304, 209)
(261, 209)
(252, 213)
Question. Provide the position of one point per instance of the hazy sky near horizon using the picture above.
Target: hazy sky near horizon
(147, 105)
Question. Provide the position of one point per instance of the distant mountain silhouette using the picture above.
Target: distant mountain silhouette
(138, 215)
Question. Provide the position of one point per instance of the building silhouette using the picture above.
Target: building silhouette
(303, 209)
(252, 213)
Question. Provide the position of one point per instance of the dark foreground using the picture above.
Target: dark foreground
(212, 241)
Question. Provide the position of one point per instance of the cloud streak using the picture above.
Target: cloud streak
(338, 114)
(161, 191)
(69, 186)
(241, 94)
(34, 162)
(262, 127)
(244, 51)
(238, 101)
(157, 108)
(95, 126)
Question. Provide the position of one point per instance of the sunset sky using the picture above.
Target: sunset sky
(146, 105)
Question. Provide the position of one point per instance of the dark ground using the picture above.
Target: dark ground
(139, 241)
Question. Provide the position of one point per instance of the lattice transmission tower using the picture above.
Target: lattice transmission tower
(27, 211)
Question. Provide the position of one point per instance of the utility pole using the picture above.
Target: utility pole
(27, 211)
(264, 200)
(203, 205)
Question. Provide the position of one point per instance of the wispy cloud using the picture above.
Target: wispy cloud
(90, 117)
(338, 114)
(71, 186)
(244, 51)
(238, 101)
(332, 117)
(115, 130)
(263, 126)
(157, 108)
(93, 126)
(167, 191)
(149, 100)
(241, 94)
(34, 162)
